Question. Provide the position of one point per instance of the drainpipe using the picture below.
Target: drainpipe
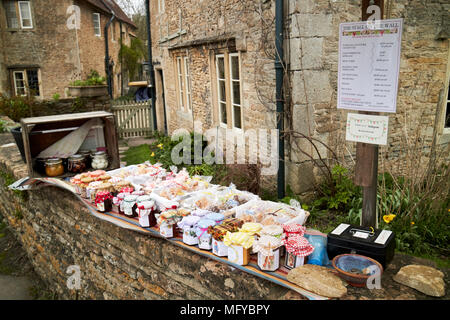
(107, 57)
(279, 74)
(121, 61)
(151, 70)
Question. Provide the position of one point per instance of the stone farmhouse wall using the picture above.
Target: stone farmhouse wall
(62, 55)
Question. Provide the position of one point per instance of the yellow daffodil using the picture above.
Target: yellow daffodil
(412, 223)
(160, 145)
(152, 155)
(388, 218)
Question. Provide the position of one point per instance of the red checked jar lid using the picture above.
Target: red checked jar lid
(294, 228)
(298, 246)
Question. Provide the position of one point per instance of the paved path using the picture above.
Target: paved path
(15, 288)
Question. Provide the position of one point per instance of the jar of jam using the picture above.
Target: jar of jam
(130, 206)
(76, 163)
(118, 201)
(39, 165)
(103, 200)
(87, 157)
(146, 213)
(100, 160)
(54, 167)
(83, 186)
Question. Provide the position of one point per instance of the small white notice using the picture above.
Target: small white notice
(367, 128)
(383, 237)
(340, 228)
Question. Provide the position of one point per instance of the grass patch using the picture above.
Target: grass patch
(137, 155)
(4, 267)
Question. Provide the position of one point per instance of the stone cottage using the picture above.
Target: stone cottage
(45, 45)
(214, 63)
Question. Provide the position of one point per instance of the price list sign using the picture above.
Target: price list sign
(369, 62)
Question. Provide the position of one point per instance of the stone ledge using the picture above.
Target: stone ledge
(57, 231)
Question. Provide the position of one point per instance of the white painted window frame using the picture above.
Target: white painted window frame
(220, 102)
(29, 12)
(17, 19)
(24, 79)
(113, 32)
(96, 14)
(446, 101)
(187, 79)
(446, 130)
(233, 104)
(180, 82)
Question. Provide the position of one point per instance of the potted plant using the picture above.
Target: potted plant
(93, 86)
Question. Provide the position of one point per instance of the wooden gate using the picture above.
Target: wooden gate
(134, 119)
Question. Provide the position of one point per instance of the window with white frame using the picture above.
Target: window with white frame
(447, 110)
(221, 89)
(235, 87)
(97, 26)
(19, 83)
(26, 22)
(18, 14)
(26, 82)
(188, 84)
(229, 102)
(113, 33)
(11, 15)
(180, 82)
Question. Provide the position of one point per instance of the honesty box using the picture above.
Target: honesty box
(367, 128)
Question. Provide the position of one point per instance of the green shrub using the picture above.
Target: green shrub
(93, 79)
(17, 107)
(421, 222)
(338, 193)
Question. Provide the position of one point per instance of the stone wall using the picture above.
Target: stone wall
(57, 231)
(62, 55)
(313, 52)
(212, 27)
(49, 45)
(60, 106)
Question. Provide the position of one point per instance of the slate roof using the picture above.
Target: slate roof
(100, 4)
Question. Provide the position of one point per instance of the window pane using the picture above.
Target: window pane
(11, 15)
(20, 83)
(222, 96)
(220, 68)
(33, 82)
(237, 117)
(236, 92)
(447, 116)
(96, 19)
(223, 113)
(25, 14)
(235, 67)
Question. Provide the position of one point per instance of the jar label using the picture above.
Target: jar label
(128, 211)
(101, 206)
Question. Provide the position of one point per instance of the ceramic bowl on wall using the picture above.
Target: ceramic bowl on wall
(356, 269)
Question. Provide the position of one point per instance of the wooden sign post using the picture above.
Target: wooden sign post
(366, 169)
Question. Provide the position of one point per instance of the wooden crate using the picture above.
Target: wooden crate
(35, 140)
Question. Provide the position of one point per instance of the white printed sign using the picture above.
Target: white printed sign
(369, 63)
(367, 128)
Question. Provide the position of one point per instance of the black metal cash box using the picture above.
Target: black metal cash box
(373, 243)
